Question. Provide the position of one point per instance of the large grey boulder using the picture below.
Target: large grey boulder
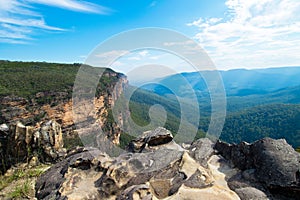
(273, 164)
(251, 193)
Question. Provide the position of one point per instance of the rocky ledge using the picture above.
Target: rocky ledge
(155, 167)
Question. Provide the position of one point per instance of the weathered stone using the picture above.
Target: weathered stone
(4, 132)
(276, 163)
(4, 128)
(251, 193)
(240, 155)
(18, 143)
(161, 188)
(198, 180)
(201, 150)
(136, 192)
(159, 171)
(61, 179)
(268, 163)
(135, 169)
(150, 139)
(21, 143)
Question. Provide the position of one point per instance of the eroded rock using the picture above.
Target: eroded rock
(159, 171)
(71, 177)
(267, 164)
(150, 140)
(21, 143)
(201, 150)
(136, 192)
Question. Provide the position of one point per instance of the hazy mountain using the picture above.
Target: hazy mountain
(237, 82)
(260, 103)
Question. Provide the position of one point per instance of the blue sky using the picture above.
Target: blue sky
(235, 33)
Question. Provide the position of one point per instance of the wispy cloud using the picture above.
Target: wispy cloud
(20, 19)
(256, 33)
(81, 6)
(138, 55)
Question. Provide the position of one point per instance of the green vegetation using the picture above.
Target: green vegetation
(21, 191)
(21, 173)
(275, 121)
(125, 138)
(250, 124)
(26, 79)
(18, 183)
(141, 102)
(71, 141)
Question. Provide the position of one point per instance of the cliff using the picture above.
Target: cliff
(36, 92)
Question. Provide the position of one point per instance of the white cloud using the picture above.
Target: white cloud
(143, 53)
(111, 54)
(141, 66)
(81, 6)
(140, 55)
(184, 43)
(103, 59)
(19, 19)
(252, 34)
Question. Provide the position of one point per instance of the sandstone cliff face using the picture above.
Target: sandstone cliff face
(157, 168)
(51, 105)
(23, 143)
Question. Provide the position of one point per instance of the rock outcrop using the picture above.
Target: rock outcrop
(270, 167)
(4, 132)
(22, 143)
(152, 140)
(158, 168)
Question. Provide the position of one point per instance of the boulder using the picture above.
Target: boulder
(151, 140)
(63, 178)
(201, 150)
(267, 163)
(249, 193)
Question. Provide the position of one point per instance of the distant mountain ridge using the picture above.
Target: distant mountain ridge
(260, 102)
(237, 82)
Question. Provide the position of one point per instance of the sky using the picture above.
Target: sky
(234, 33)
